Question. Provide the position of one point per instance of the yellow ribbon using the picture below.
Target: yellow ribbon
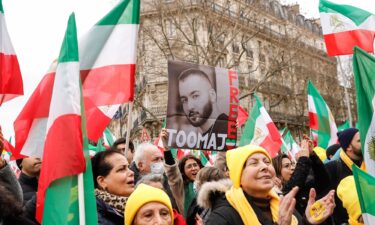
(345, 158)
(238, 201)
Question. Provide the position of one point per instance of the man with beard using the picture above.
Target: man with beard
(350, 154)
(199, 102)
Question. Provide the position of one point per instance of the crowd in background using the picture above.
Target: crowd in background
(147, 185)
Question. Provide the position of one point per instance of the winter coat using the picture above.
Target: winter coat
(176, 184)
(309, 173)
(107, 215)
(212, 196)
(338, 170)
(10, 181)
(29, 186)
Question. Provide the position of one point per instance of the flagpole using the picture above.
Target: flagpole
(81, 200)
(346, 92)
(130, 108)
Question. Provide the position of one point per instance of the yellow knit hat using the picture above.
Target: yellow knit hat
(321, 153)
(236, 160)
(347, 193)
(142, 195)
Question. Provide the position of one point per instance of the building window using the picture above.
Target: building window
(170, 28)
(235, 48)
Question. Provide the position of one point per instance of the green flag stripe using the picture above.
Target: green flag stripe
(108, 136)
(249, 129)
(61, 202)
(355, 14)
(126, 12)
(365, 185)
(1, 6)
(69, 48)
(364, 68)
(324, 134)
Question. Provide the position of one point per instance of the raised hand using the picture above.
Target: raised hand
(286, 207)
(164, 138)
(318, 211)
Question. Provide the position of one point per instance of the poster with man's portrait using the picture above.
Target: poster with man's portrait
(202, 107)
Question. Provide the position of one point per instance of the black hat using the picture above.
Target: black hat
(346, 136)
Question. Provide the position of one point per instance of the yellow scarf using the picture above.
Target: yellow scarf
(238, 201)
(345, 158)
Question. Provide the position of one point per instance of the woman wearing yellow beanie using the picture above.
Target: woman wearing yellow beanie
(148, 206)
(251, 200)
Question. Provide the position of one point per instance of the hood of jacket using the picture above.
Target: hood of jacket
(211, 190)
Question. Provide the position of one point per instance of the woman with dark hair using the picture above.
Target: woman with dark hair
(181, 177)
(309, 172)
(114, 182)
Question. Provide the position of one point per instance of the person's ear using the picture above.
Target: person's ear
(140, 166)
(101, 182)
(213, 96)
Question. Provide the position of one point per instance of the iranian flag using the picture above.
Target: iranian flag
(289, 146)
(364, 70)
(322, 123)
(10, 74)
(108, 56)
(260, 130)
(346, 26)
(60, 197)
(365, 185)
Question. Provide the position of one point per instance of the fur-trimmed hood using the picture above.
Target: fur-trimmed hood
(211, 190)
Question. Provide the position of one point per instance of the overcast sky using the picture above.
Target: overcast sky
(37, 27)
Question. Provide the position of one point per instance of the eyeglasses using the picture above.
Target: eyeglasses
(193, 165)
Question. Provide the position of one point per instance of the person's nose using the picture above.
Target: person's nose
(131, 173)
(190, 104)
(158, 220)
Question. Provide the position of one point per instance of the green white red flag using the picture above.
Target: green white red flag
(346, 26)
(365, 185)
(322, 123)
(364, 70)
(11, 84)
(108, 56)
(260, 130)
(289, 146)
(63, 157)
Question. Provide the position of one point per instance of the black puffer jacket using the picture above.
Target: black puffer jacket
(212, 197)
(338, 170)
(309, 173)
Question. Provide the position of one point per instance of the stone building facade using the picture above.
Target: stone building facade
(274, 49)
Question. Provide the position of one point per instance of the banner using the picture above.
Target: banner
(202, 107)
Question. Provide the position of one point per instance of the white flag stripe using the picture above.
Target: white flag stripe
(66, 95)
(34, 144)
(115, 51)
(110, 110)
(368, 218)
(311, 104)
(335, 22)
(6, 44)
(370, 163)
(261, 131)
(266, 118)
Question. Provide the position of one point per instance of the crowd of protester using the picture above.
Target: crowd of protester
(244, 186)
